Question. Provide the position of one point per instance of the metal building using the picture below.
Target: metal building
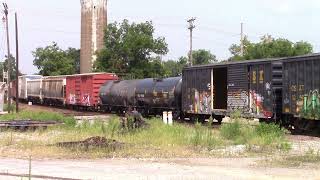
(93, 23)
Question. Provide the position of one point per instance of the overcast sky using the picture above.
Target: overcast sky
(218, 23)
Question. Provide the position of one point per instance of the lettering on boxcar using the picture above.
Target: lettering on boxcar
(261, 76)
(72, 99)
(254, 77)
(293, 88)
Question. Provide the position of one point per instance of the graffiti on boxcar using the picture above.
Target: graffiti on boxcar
(72, 99)
(201, 102)
(238, 99)
(256, 102)
(308, 105)
(86, 100)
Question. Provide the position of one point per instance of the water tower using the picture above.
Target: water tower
(93, 23)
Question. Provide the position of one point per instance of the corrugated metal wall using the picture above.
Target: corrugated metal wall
(238, 87)
(261, 93)
(196, 91)
(301, 87)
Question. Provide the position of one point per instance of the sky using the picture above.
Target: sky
(217, 23)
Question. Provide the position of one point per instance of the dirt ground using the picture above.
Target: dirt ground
(217, 168)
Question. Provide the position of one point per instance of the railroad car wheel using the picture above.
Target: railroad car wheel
(219, 119)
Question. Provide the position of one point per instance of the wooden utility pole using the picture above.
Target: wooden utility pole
(191, 27)
(17, 64)
(9, 57)
(241, 41)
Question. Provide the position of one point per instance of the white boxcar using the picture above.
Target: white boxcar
(23, 85)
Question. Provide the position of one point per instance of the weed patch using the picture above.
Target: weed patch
(39, 116)
(264, 136)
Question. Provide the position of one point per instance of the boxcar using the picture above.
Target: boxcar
(83, 89)
(301, 85)
(219, 89)
(53, 90)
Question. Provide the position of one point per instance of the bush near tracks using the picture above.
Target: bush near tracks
(265, 136)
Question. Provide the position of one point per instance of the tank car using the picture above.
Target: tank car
(149, 96)
(117, 96)
(153, 96)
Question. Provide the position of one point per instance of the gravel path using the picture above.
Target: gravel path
(218, 168)
(302, 144)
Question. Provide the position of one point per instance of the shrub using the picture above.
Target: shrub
(231, 131)
(273, 130)
(236, 114)
(113, 127)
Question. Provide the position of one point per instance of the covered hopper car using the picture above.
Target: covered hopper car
(23, 85)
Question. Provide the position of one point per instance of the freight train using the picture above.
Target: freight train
(283, 90)
(79, 91)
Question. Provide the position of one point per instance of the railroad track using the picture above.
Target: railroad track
(62, 110)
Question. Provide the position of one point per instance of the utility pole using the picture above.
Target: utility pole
(191, 27)
(17, 63)
(241, 41)
(9, 59)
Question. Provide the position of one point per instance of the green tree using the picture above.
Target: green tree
(202, 56)
(129, 49)
(269, 47)
(52, 60)
(74, 54)
(4, 67)
(174, 68)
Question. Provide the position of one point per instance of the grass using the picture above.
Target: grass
(263, 137)
(39, 116)
(156, 140)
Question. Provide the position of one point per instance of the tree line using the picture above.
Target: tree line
(132, 51)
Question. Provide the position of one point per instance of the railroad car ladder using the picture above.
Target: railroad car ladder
(277, 84)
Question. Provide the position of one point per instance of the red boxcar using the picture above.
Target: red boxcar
(83, 89)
